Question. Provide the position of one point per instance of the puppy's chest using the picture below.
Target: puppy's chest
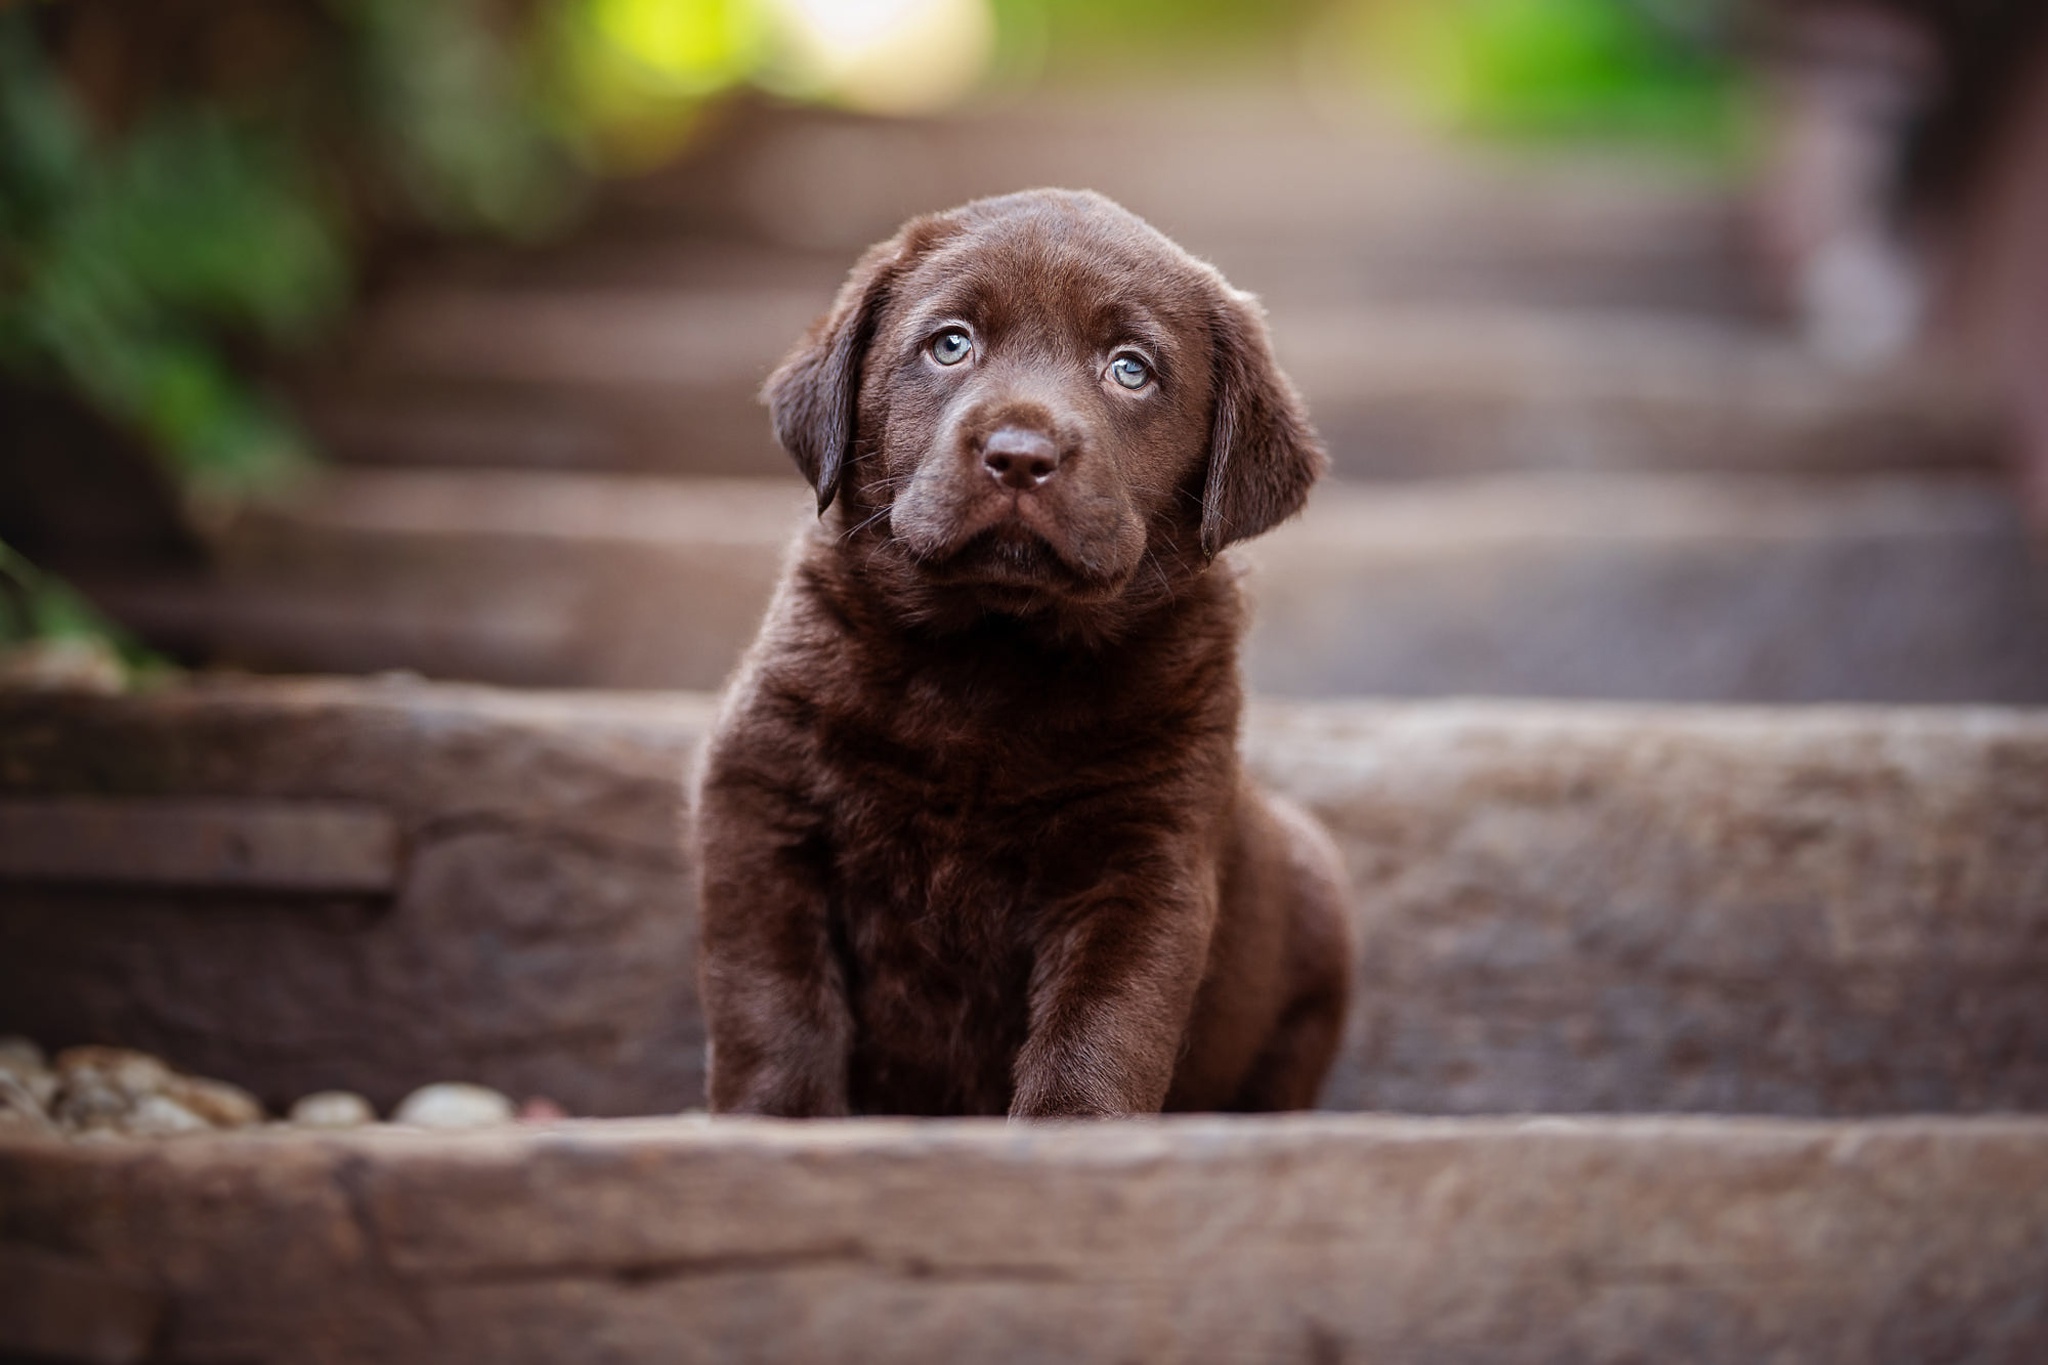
(945, 848)
(945, 881)
(970, 839)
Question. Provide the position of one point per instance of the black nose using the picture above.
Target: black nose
(1018, 457)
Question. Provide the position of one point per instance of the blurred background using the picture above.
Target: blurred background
(1684, 349)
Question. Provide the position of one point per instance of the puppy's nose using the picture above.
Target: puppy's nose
(1018, 457)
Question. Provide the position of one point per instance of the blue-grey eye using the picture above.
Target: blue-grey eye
(951, 346)
(1130, 372)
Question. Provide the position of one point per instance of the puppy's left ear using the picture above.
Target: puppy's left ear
(814, 394)
(1263, 454)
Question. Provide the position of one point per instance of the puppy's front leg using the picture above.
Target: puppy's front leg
(774, 993)
(1110, 998)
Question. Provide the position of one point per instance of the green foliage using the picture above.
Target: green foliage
(1641, 69)
(120, 268)
(450, 110)
(131, 266)
(34, 606)
(1087, 40)
(135, 266)
(625, 79)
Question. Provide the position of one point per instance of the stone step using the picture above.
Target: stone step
(1193, 1240)
(665, 380)
(1824, 911)
(1294, 200)
(1696, 588)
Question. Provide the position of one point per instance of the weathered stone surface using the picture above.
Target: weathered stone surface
(1317, 1238)
(1791, 911)
(65, 1308)
(1670, 587)
(539, 939)
(218, 844)
(1825, 911)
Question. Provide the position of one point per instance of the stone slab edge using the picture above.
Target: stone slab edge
(1314, 1238)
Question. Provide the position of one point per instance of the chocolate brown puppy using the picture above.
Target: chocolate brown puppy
(973, 835)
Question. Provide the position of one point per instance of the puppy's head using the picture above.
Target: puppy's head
(1038, 402)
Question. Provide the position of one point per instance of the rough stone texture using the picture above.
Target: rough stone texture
(1766, 910)
(1829, 911)
(69, 1310)
(1310, 1238)
(174, 842)
(539, 940)
(1669, 587)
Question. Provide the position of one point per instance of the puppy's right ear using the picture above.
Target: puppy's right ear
(814, 394)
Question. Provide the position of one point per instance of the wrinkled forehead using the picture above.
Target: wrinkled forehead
(1092, 279)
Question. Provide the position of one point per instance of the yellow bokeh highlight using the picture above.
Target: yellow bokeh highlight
(883, 56)
(696, 46)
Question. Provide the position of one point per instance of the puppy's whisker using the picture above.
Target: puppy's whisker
(1165, 588)
(865, 523)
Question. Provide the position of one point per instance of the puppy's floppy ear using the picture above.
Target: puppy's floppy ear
(814, 393)
(1263, 454)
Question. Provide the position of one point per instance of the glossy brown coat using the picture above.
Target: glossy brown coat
(973, 834)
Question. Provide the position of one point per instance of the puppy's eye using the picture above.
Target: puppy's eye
(951, 346)
(1130, 372)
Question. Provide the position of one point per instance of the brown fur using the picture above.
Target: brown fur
(973, 835)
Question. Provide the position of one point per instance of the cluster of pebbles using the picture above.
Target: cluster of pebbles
(110, 1091)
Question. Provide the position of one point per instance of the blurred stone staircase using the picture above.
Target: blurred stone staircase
(1573, 457)
(1684, 1032)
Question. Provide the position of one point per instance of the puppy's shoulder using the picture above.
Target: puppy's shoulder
(799, 659)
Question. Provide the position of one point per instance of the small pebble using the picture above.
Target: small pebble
(21, 1054)
(332, 1109)
(161, 1116)
(119, 1090)
(23, 1061)
(63, 666)
(453, 1104)
(122, 1070)
(216, 1102)
(20, 1109)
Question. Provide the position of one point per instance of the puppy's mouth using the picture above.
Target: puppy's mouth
(1014, 551)
(1008, 554)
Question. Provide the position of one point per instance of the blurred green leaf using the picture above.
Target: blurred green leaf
(447, 102)
(1562, 68)
(123, 265)
(35, 605)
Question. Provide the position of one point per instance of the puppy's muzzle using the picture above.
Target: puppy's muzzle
(1019, 457)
